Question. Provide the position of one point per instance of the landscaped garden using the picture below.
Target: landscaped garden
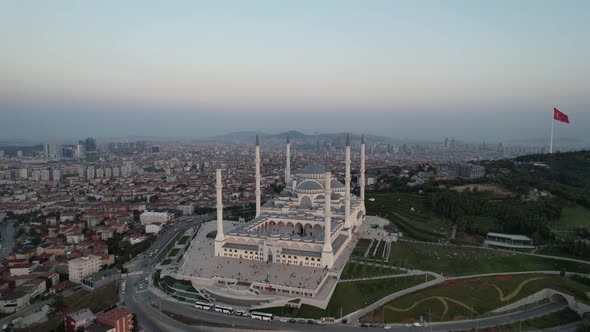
(361, 247)
(367, 269)
(451, 260)
(409, 213)
(351, 296)
(473, 297)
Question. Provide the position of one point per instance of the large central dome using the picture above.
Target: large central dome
(314, 169)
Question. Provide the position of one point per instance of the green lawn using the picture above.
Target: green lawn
(460, 299)
(361, 247)
(409, 213)
(572, 217)
(173, 252)
(351, 296)
(457, 261)
(183, 240)
(559, 251)
(354, 270)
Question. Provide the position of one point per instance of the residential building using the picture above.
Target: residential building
(151, 217)
(79, 319)
(81, 267)
(119, 318)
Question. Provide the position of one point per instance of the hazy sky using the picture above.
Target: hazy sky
(486, 70)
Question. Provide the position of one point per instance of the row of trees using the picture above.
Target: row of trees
(477, 214)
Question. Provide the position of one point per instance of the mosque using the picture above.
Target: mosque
(309, 224)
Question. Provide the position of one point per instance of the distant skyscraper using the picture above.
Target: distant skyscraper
(19, 153)
(80, 152)
(90, 147)
(52, 151)
(446, 142)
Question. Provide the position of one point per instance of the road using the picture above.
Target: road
(146, 302)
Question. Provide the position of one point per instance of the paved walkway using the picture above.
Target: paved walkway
(352, 317)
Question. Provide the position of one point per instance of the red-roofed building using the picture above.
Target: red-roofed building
(119, 318)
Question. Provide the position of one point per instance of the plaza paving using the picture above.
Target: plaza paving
(200, 262)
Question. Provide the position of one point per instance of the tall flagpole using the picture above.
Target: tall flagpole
(551, 141)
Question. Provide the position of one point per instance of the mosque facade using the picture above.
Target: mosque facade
(308, 224)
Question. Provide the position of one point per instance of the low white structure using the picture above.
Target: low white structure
(509, 241)
(81, 267)
(151, 217)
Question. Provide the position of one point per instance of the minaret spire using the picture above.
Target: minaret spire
(347, 185)
(288, 157)
(257, 162)
(362, 175)
(327, 251)
(218, 186)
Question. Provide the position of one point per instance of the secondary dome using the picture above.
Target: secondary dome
(336, 184)
(309, 185)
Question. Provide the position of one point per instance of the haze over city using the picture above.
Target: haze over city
(473, 70)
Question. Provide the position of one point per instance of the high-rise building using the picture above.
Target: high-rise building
(45, 175)
(56, 175)
(90, 172)
(19, 153)
(52, 151)
(90, 148)
(23, 173)
(36, 175)
(80, 151)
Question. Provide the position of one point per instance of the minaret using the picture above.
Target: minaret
(288, 156)
(257, 161)
(362, 175)
(347, 184)
(327, 252)
(218, 185)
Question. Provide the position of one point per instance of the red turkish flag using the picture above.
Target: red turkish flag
(559, 116)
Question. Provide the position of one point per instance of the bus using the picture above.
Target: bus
(223, 309)
(261, 315)
(203, 305)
